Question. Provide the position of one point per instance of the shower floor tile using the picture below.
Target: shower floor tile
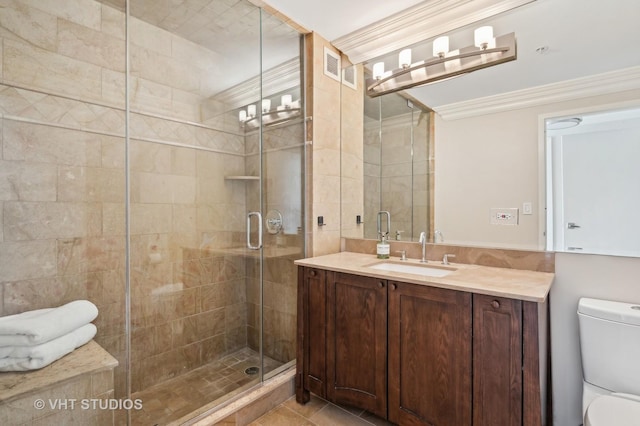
(177, 397)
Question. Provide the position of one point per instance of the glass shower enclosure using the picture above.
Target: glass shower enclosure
(152, 163)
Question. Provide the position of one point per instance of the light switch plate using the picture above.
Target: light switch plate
(504, 216)
(527, 208)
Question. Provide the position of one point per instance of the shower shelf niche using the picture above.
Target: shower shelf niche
(241, 177)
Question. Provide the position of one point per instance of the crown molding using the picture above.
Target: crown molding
(274, 80)
(418, 23)
(595, 85)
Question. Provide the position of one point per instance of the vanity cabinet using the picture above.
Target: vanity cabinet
(356, 341)
(416, 354)
(429, 355)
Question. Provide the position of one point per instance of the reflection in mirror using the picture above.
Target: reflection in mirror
(396, 166)
(593, 183)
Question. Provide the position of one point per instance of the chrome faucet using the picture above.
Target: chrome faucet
(380, 233)
(423, 241)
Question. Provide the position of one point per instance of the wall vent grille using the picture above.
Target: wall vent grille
(331, 64)
(349, 78)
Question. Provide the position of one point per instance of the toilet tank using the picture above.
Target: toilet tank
(610, 344)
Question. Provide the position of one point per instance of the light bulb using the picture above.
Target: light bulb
(483, 37)
(441, 46)
(404, 58)
(266, 105)
(378, 70)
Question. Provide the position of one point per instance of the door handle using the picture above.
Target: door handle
(572, 225)
(249, 245)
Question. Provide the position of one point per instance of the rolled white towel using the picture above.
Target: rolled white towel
(42, 325)
(24, 358)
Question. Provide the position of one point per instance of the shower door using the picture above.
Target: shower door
(215, 170)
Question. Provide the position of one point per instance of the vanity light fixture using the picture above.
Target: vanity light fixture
(287, 110)
(486, 51)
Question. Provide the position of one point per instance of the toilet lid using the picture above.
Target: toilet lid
(612, 411)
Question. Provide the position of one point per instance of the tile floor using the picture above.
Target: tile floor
(316, 412)
(175, 398)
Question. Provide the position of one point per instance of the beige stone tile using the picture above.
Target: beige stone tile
(90, 184)
(27, 181)
(46, 144)
(91, 46)
(150, 157)
(46, 220)
(28, 24)
(151, 218)
(307, 410)
(113, 22)
(332, 415)
(150, 37)
(150, 97)
(162, 188)
(27, 259)
(78, 11)
(162, 69)
(101, 382)
(281, 416)
(28, 65)
(113, 87)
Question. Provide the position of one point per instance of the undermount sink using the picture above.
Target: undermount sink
(413, 268)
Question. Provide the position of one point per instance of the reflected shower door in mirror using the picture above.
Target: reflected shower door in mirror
(397, 172)
(593, 182)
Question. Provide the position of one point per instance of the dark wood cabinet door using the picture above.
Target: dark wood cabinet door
(357, 341)
(312, 305)
(497, 361)
(429, 356)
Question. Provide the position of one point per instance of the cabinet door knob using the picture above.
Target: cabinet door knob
(495, 304)
(312, 273)
(380, 284)
(394, 286)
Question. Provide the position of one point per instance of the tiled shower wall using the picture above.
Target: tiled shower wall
(62, 180)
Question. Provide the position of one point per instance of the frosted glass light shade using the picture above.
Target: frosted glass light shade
(266, 105)
(285, 101)
(404, 59)
(242, 115)
(378, 70)
(441, 46)
(483, 37)
(251, 111)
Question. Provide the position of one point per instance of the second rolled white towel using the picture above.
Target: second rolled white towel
(39, 326)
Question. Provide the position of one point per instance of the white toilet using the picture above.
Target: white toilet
(610, 347)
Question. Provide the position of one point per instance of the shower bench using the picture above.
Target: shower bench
(66, 389)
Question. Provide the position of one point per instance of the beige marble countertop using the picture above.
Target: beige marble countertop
(87, 359)
(502, 282)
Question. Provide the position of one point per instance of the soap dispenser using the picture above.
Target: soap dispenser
(382, 248)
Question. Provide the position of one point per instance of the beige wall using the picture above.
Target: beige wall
(492, 161)
(325, 169)
(352, 167)
(474, 158)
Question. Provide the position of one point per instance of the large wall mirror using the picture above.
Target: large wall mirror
(395, 174)
(396, 167)
(593, 182)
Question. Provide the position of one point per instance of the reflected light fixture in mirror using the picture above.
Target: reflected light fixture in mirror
(287, 110)
(486, 51)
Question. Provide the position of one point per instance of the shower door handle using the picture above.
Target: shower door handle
(249, 245)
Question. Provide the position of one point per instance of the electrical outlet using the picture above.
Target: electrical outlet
(504, 216)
